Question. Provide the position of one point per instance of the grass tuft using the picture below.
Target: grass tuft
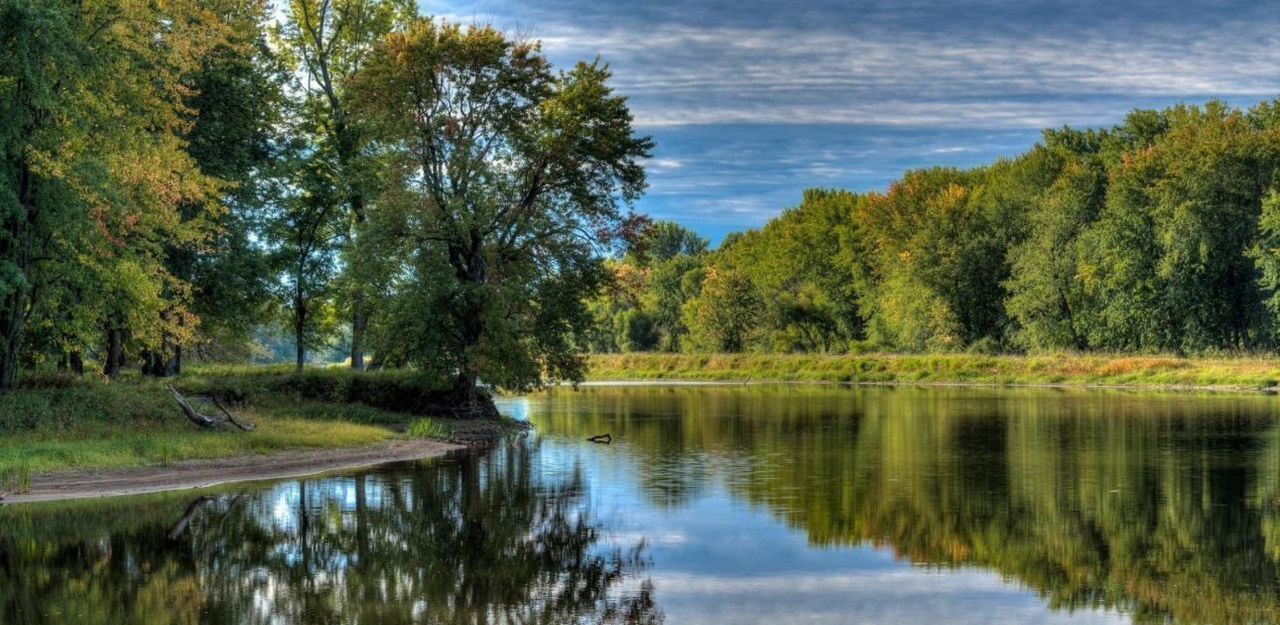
(429, 428)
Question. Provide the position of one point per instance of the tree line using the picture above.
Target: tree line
(179, 174)
(1161, 234)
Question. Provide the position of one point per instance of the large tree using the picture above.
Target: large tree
(514, 175)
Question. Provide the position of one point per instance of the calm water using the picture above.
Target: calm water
(716, 505)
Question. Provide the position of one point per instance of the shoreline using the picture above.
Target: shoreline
(1258, 373)
(197, 474)
(1136, 387)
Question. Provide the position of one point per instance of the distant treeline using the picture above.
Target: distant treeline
(1161, 234)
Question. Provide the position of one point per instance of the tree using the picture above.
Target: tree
(515, 175)
(1168, 260)
(91, 154)
(665, 240)
(1046, 295)
(725, 314)
(306, 229)
(671, 284)
(802, 259)
(234, 136)
(331, 40)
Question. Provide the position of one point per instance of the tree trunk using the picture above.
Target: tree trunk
(347, 154)
(300, 352)
(299, 324)
(151, 364)
(114, 355)
(13, 316)
(163, 363)
(77, 362)
(11, 324)
(359, 323)
(471, 269)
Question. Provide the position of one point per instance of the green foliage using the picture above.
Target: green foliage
(724, 315)
(1157, 235)
(1046, 297)
(799, 263)
(329, 41)
(96, 178)
(637, 330)
(500, 236)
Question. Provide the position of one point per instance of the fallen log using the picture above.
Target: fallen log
(247, 427)
(201, 420)
(206, 421)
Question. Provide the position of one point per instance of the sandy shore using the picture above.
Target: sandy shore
(204, 473)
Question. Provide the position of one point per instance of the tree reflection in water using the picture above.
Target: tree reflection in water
(1164, 506)
(480, 540)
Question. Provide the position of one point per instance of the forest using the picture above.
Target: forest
(220, 181)
(192, 179)
(1159, 235)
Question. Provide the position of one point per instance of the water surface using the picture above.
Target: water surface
(716, 505)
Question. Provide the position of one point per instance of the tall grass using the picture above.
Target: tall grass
(1254, 372)
(56, 422)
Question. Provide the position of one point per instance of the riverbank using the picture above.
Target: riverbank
(54, 425)
(90, 484)
(1064, 370)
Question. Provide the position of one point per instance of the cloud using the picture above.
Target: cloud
(752, 101)
(1031, 74)
(663, 164)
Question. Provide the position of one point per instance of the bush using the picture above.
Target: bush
(404, 391)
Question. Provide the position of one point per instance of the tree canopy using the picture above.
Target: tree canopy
(1156, 235)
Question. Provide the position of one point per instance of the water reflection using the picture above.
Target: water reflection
(1161, 507)
(717, 505)
(475, 541)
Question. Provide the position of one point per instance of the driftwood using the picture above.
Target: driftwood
(603, 439)
(206, 421)
(247, 427)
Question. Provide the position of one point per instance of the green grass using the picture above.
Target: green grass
(429, 428)
(1065, 369)
(54, 423)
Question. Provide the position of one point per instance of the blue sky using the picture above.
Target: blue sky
(752, 101)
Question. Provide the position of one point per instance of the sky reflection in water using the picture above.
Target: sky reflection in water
(716, 505)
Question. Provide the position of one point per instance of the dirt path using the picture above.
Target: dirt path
(204, 473)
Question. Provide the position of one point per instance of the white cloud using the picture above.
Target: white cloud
(664, 163)
(683, 74)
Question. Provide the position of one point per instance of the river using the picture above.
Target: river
(715, 505)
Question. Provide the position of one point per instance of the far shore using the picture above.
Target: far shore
(1178, 388)
(193, 474)
(1249, 374)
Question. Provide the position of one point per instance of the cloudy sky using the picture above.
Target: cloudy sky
(752, 101)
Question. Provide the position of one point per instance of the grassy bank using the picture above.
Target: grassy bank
(54, 423)
(1065, 369)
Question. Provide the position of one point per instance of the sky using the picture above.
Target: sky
(753, 101)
